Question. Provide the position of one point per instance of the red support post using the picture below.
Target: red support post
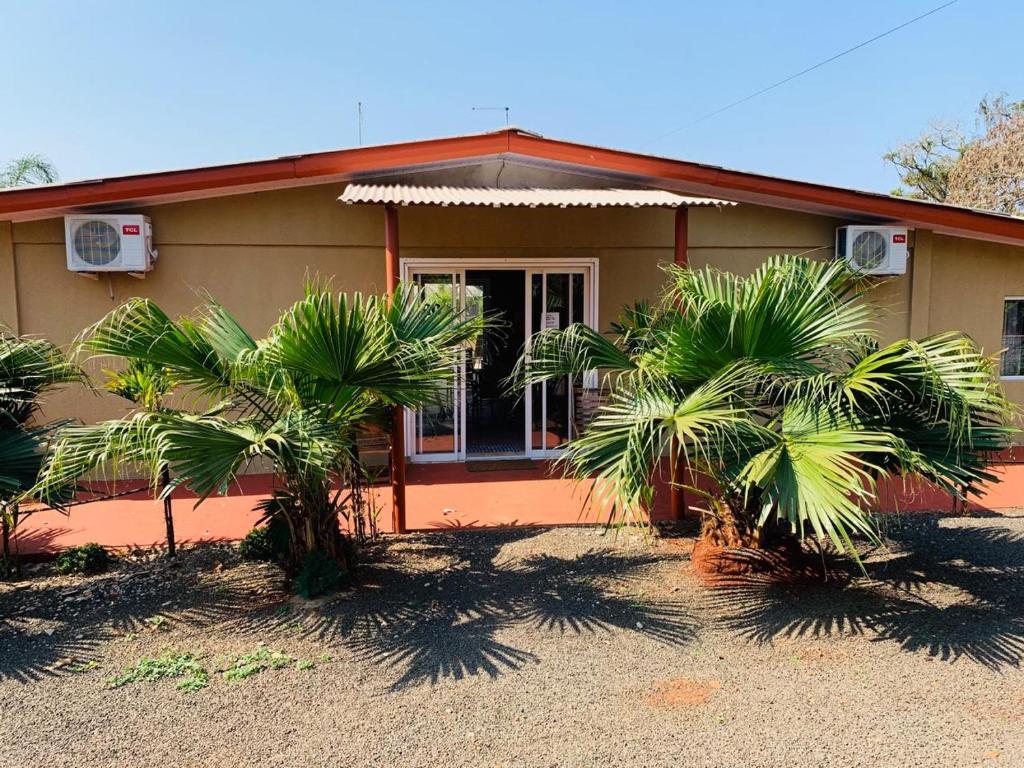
(677, 501)
(391, 266)
(682, 236)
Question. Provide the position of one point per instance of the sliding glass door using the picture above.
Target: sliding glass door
(558, 298)
(477, 417)
(436, 432)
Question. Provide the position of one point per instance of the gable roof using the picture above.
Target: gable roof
(627, 168)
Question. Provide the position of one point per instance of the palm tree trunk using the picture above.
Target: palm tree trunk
(725, 527)
(165, 480)
(7, 545)
(8, 524)
(311, 515)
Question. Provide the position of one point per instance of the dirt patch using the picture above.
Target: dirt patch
(682, 692)
(823, 655)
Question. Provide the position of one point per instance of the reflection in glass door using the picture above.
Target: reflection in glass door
(437, 426)
(557, 299)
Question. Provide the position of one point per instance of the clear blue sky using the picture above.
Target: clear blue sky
(105, 88)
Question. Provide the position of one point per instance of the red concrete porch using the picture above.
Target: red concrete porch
(438, 496)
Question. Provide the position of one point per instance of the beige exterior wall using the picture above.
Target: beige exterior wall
(968, 281)
(8, 284)
(253, 251)
(739, 239)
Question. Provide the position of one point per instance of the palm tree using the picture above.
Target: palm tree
(773, 386)
(147, 386)
(28, 368)
(28, 169)
(293, 402)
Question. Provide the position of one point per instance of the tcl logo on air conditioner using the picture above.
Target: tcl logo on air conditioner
(902, 238)
(131, 229)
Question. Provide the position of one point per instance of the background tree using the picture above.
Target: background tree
(294, 401)
(982, 168)
(28, 169)
(28, 369)
(775, 388)
(990, 173)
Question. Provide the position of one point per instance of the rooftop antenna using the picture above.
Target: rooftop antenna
(359, 112)
(494, 109)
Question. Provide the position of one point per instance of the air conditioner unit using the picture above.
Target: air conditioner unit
(109, 243)
(873, 250)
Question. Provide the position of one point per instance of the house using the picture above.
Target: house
(545, 231)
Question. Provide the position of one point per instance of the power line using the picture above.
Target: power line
(802, 72)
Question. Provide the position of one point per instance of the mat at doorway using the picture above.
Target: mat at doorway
(496, 465)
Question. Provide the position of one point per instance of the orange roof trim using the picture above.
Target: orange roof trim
(675, 175)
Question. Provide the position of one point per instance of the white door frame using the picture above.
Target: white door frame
(459, 400)
(411, 266)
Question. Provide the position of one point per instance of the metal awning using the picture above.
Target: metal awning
(525, 197)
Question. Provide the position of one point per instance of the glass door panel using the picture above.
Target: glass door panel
(494, 416)
(536, 436)
(437, 427)
(558, 299)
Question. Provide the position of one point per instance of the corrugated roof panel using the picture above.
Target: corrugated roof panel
(530, 197)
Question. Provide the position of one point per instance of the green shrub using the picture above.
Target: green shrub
(86, 559)
(319, 575)
(256, 545)
(269, 542)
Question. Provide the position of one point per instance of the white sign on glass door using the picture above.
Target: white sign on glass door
(551, 320)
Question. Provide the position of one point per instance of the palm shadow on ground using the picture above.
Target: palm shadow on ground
(426, 608)
(438, 605)
(447, 622)
(950, 591)
(46, 629)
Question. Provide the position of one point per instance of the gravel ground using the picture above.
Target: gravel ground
(532, 647)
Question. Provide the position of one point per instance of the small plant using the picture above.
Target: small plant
(257, 545)
(194, 683)
(250, 664)
(320, 574)
(156, 622)
(182, 665)
(84, 666)
(87, 559)
(305, 664)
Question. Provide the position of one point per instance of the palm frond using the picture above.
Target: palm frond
(817, 475)
(21, 454)
(577, 349)
(637, 327)
(140, 330)
(26, 170)
(791, 311)
(29, 367)
(403, 354)
(632, 432)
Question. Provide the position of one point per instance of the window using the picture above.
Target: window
(1013, 337)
